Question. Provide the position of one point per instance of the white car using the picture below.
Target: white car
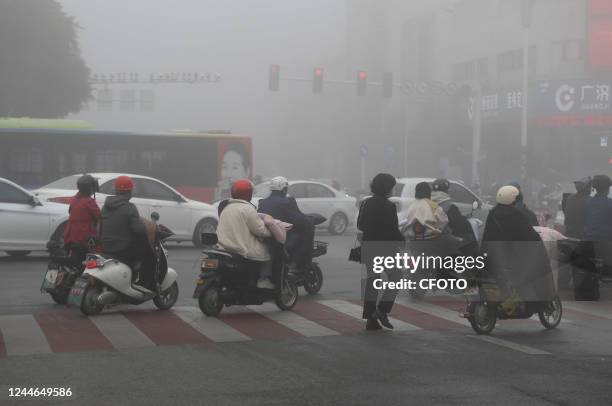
(26, 224)
(462, 197)
(318, 198)
(188, 219)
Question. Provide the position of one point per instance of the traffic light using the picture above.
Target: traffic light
(274, 78)
(387, 85)
(317, 80)
(362, 82)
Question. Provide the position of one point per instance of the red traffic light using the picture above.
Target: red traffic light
(318, 71)
(274, 68)
(362, 75)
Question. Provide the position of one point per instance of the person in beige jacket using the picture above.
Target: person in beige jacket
(241, 231)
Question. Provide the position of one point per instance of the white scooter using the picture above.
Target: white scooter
(107, 282)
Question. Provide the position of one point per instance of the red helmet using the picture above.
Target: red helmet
(242, 189)
(123, 184)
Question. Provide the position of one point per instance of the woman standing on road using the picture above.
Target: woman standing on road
(378, 222)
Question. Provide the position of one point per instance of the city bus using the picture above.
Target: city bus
(200, 165)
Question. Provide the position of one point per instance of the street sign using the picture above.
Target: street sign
(363, 150)
(603, 141)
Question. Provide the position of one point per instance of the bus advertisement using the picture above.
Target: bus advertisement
(201, 165)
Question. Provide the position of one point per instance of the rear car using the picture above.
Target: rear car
(337, 207)
(26, 223)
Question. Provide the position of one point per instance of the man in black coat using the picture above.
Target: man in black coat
(378, 221)
(575, 209)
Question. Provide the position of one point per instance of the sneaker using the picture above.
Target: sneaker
(265, 284)
(384, 320)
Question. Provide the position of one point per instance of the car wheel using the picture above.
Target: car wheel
(58, 235)
(18, 254)
(338, 224)
(204, 226)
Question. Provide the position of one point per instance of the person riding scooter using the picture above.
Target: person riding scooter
(457, 222)
(241, 231)
(84, 216)
(300, 238)
(123, 234)
(426, 213)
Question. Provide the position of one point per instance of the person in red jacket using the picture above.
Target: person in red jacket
(83, 221)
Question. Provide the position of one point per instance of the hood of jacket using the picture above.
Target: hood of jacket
(113, 203)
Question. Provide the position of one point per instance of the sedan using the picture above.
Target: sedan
(318, 198)
(188, 219)
(26, 224)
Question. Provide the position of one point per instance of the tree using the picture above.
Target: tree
(42, 73)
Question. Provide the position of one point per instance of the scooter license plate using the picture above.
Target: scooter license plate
(199, 286)
(75, 298)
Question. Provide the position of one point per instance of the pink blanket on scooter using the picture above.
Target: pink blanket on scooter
(276, 227)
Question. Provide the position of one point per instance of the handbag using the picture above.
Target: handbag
(355, 254)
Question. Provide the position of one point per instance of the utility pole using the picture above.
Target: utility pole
(476, 128)
(526, 13)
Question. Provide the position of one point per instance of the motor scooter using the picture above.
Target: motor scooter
(311, 276)
(108, 282)
(228, 279)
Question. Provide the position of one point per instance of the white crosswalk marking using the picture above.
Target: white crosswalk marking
(293, 321)
(211, 327)
(22, 335)
(120, 331)
(591, 309)
(355, 311)
(437, 311)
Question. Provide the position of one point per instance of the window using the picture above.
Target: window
(26, 161)
(127, 100)
(10, 194)
(398, 189)
(459, 194)
(157, 191)
(105, 99)
(108, 188)
(297, 190)
(510, 60)
(314, 190)
(109, 161)
(147, 100)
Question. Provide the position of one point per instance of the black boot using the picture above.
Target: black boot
(372, 325)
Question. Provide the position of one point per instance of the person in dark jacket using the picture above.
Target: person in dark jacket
(575, 209)
(122, 231)
(300, 238)
(378, 221)
(84, 216)
(515, 252)
(598, 222)
(521, 206)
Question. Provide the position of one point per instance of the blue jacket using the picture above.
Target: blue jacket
(282, 208)
(598, 222)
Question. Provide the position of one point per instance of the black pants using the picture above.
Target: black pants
(370, 295)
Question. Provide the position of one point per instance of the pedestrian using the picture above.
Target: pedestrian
(598, 222)
(575, 209)
(378, 221)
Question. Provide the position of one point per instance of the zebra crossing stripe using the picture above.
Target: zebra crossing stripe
(211, 327)
(302, 325)
(120, 331)
(355, 311)
(22, 335)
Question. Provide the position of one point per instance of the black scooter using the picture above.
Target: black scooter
(311, 276)
(227, 279)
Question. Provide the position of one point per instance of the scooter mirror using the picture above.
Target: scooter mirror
(475, 205)
(155, 216)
